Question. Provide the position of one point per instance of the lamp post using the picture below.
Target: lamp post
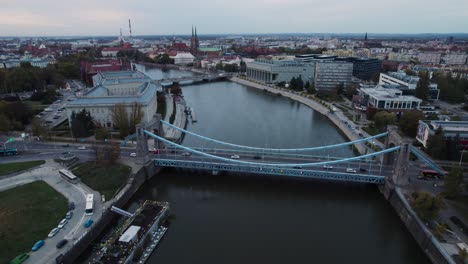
(461, 157)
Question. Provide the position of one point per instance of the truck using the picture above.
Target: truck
(8, 152)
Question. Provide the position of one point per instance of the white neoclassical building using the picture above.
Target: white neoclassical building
(111, 88)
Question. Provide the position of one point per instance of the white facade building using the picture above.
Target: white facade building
(183, 58)
(111, 88)
(388, 99)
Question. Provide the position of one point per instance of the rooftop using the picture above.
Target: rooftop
(381, 93)
(403, 77)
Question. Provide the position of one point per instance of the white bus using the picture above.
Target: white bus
(89, 204)
(67, 175)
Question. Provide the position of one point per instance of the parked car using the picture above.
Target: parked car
(69, 215)
(53, 232)
(88, 223)
(133, 154)
(61, 243)
(38, 245)
(62, 223)
(151, 150)
(20, 258)
(71, 206)
(235, 157)
(350, 170)
(56, 117)
(66, 145)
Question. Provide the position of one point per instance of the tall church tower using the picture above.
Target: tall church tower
(194, 42)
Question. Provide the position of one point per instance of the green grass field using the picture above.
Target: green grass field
(8, 168)
(27, 214)
(104, 179)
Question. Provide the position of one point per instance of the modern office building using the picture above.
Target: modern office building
(450, 129)
(331, 74)
(275, 71)
(363, 68)
(387, 99)
(407, 83)
(111, 88)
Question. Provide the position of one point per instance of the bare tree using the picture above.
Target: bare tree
(120, 119)
(136, 115)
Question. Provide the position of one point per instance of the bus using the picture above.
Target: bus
(8, 152)
(430, 174)
(89, 204)
(67, 175)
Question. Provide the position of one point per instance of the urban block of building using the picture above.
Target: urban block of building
(111, 88)
(407, 83)
(450, 130)
(275, 71)
(387, 99)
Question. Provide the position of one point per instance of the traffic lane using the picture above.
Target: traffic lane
(387, 170)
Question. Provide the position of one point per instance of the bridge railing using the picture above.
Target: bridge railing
(426, 159)
(370, 155)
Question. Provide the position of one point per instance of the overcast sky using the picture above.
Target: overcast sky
(154, 17)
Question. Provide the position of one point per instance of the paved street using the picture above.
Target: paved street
(74, 193)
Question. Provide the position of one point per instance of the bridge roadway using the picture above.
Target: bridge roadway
(196, 78)
(367, 171)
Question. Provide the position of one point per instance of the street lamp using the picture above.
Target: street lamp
(461, 157)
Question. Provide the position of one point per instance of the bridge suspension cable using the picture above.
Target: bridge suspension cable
(271, 149)
(270, 164)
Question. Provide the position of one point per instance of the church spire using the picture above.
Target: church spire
(192, 32)
(365, 37)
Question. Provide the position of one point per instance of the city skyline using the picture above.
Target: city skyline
(105, 18)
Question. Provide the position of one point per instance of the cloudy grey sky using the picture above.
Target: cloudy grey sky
(105, 17)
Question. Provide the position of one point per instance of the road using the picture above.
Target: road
(74, 193)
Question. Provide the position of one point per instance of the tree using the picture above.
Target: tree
(462, 254)
(453, 183)
(436, 147)
(136, 115)
(5, 124)
(427, 206)
(120, 119)
(82, 123)
(37, 128)
(101, 133)
(382, 119)
(410, 72)
(293, 83)
(422, 87)
(164, 59)
(175, 89)
(409, 122)
(242, 66)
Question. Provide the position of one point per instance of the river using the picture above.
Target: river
(233, 219)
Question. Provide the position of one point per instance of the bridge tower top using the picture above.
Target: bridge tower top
(400, 159)
(155, 126)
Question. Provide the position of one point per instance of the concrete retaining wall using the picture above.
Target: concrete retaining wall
(120, 200)
(416, 227)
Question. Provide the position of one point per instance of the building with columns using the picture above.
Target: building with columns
(275, 71)
(118, 87)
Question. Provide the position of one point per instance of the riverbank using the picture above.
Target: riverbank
(337, 117)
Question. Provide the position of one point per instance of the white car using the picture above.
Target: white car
(48, 110)
(235, 157)
(351, 170)
(62, 223)
(82, 148)
(133, 154)
(328, 167)
(151, 150)
(53, 232)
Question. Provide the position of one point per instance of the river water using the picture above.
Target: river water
(234, 219)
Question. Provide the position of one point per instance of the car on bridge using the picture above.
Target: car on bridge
(186, 154)
(133, 154)
(328, 167)
(350, 170)
(88, 223)
(235, 157)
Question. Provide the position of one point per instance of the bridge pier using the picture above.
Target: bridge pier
(155, 127)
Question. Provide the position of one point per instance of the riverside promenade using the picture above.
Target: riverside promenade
(336, 116)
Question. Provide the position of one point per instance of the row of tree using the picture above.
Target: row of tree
(408, 122)
(14, 115)
(451, 89)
